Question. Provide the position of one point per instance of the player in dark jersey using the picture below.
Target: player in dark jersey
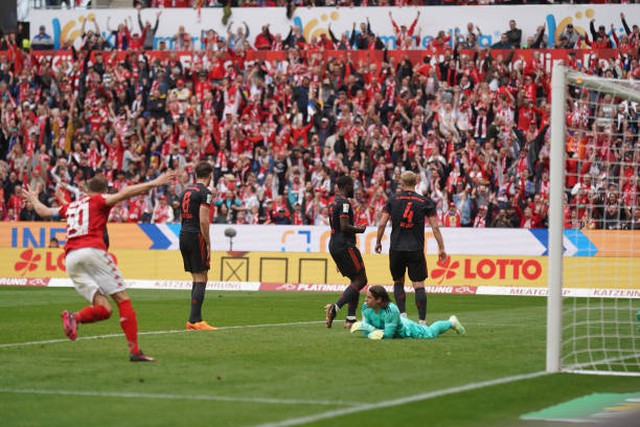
(195, 244)
(345, 253)
(407, 211)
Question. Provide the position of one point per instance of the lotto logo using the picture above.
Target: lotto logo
(29, 262)
(488, 269)
(36, 261)
(32, 261)
(447, 270)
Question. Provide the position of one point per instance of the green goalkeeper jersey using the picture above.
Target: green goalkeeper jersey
(395, 326)
(387, 319)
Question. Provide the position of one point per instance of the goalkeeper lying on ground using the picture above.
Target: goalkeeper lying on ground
(381, 319)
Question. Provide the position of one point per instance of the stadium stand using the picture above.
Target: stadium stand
(280, 118)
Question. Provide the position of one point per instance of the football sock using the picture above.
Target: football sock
(129, 325)
(348, 296)
(421, 303)
(92, 313)
(352, 307)
(197, 298)
(400, 296)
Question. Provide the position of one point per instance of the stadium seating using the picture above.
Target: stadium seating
(281, 119)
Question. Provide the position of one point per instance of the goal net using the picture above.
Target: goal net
(594, 227)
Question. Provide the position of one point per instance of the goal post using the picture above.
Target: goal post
(556, 229)
(590, 331)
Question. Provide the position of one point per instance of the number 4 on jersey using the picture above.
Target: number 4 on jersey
(407, 217)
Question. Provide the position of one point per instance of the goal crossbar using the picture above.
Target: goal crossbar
(611, 86)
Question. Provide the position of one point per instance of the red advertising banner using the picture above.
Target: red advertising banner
(547, 57)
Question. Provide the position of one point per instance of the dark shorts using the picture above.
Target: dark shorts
(349, 262)
(414, 261)
(195, 253)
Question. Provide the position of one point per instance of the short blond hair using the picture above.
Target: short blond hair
(408, 179)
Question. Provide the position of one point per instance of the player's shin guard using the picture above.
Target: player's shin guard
(92, 313)
(197, 298)
(129, 325)
(421, 303)
(400, 296)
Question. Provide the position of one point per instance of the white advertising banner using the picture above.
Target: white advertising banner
(314, 239)
(65, 25)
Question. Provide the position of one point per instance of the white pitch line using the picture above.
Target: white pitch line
(175, 331)
(178, 331)
(401, 401)
(179, 397)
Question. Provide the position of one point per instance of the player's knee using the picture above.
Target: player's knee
(102, 310)
(201, 277)
(106, 308)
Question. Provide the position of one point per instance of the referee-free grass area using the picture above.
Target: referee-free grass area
(273, 362)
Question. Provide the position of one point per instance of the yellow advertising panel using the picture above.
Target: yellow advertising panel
(278, 267)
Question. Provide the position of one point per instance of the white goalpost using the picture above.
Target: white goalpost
(593, 307)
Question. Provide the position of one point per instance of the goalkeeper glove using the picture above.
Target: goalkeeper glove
(362, 326)
(376, 335)
(355, 327)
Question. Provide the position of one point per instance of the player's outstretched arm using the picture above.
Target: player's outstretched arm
(41, 209)
(134, 190)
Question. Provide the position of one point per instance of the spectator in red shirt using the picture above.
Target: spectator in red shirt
(264, 40)
(527, 114)
(452, 217)
(402, 33)
(15, 202)
(162, 213)
(600, 38)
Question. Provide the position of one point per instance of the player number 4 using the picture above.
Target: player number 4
(407, 217)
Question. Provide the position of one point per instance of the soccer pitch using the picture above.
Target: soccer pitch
(274, 363)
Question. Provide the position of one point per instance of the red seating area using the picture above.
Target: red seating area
(279, 126)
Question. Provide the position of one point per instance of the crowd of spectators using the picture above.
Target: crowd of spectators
(278, 133)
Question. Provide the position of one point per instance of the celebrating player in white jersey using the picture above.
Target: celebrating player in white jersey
(91, 268)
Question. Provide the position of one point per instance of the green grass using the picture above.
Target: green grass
(305, 368)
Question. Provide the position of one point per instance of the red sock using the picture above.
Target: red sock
(92, 313)
(129, 325)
